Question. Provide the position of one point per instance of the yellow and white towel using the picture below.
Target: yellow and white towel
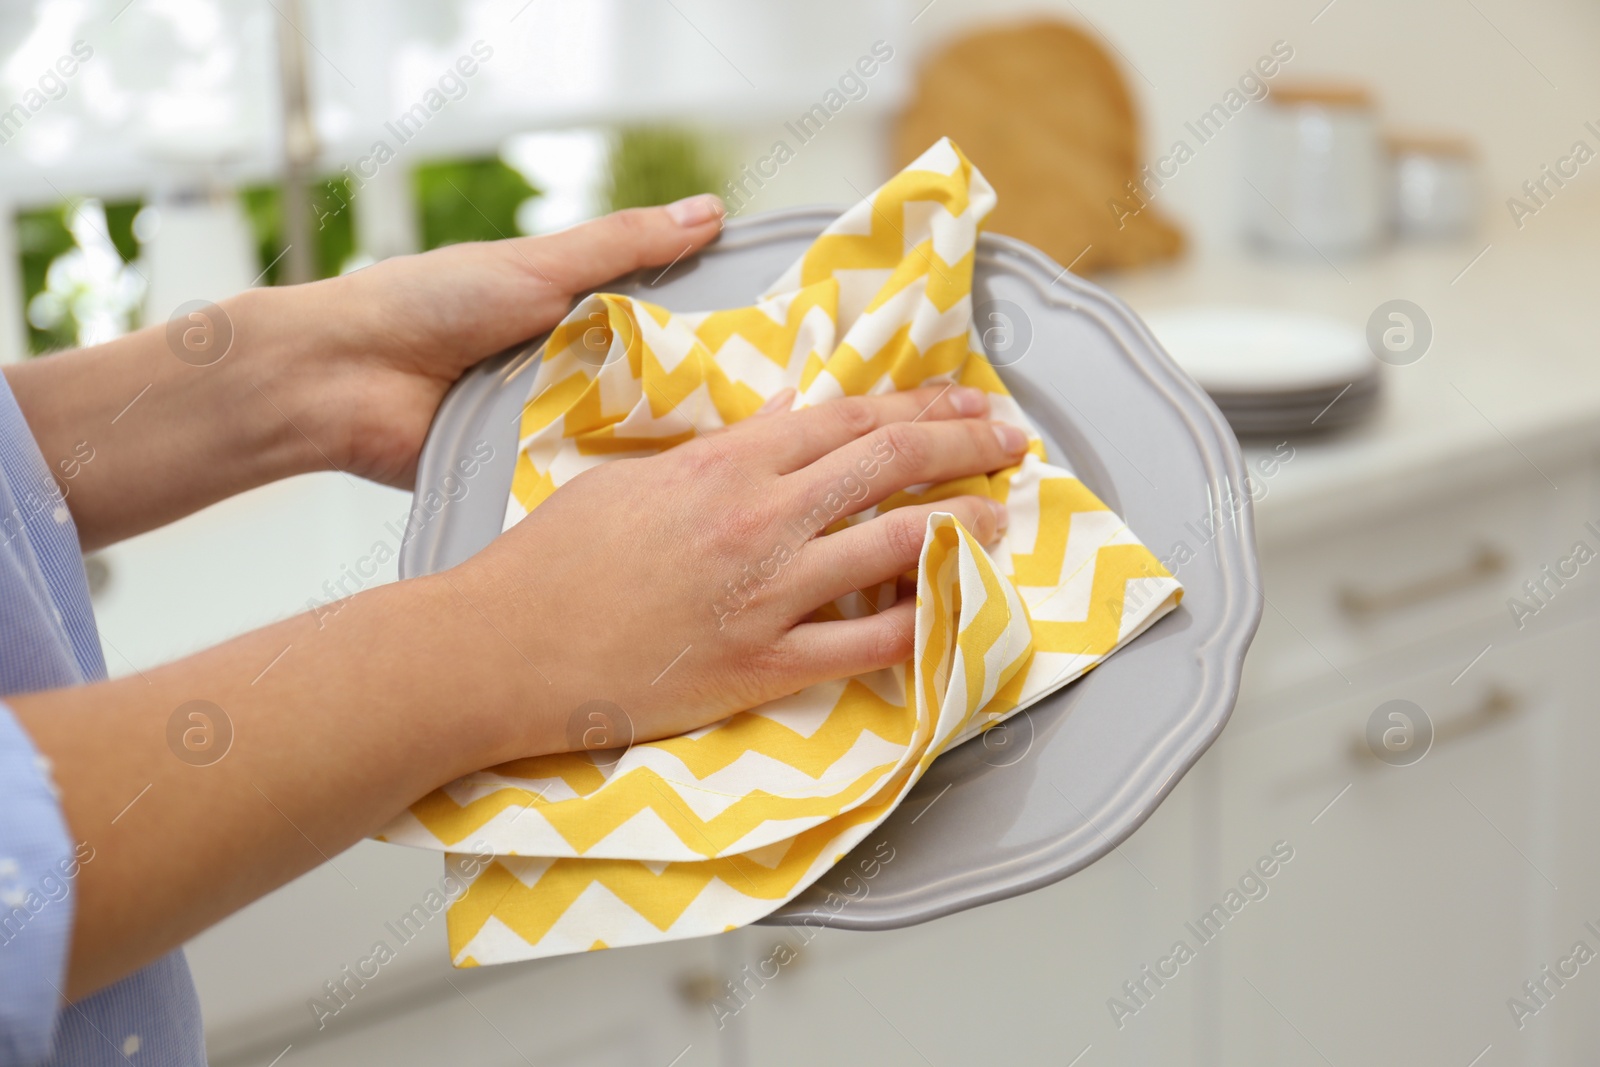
(714, 829)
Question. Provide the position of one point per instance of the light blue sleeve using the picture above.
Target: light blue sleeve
(38, 865)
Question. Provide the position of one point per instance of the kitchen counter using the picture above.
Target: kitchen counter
(1509, 385)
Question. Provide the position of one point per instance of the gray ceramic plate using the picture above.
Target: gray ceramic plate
(1062, 784)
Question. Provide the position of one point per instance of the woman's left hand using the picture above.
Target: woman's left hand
(345, 372)
(391, 339)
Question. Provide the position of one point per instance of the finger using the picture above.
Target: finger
(794, 439)
(780, 401)
(592, 253)
(881, 549)
(776, 403)
(869, 470)
(823, 651)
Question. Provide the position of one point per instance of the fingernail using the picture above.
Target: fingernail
(1010, 437)
(779, 401)
(968, 401)
(695, 210)
(1002, 515)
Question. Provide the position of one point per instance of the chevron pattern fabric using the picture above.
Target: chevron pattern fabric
(715, 829)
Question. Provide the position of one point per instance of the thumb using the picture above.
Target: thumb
(599, 250)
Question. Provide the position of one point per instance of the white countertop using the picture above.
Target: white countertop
(1509, 385)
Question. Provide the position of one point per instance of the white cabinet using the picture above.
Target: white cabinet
(260, 970)
(1022, 981)
(1565, 841)
(617, 1008)
(1399, 926)
(1422, 895)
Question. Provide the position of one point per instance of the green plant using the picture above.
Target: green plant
(468, 200)
(650, 165)
(119, 227)
(332, 218)
(43, 236)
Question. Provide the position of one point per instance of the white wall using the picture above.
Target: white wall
(1434, 66)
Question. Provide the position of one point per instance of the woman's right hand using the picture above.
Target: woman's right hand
(680, 588)
(615, 589)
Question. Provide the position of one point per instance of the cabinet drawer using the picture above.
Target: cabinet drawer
(1369, 588)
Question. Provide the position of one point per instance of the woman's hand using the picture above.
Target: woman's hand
(345, 372)
(681, 588)
(393, 337)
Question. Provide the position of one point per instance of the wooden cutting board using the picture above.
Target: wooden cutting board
(1044, 113)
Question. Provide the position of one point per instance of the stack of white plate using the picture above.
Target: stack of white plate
(1273, 372)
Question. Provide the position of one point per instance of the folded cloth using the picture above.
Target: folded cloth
(716, 828)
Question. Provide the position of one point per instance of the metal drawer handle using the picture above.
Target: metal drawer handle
(699, 988)
(1360, 604)
(1497, 706)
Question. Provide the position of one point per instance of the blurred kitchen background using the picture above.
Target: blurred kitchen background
(1377, 246)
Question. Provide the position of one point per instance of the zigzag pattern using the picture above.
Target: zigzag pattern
(714, 829)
